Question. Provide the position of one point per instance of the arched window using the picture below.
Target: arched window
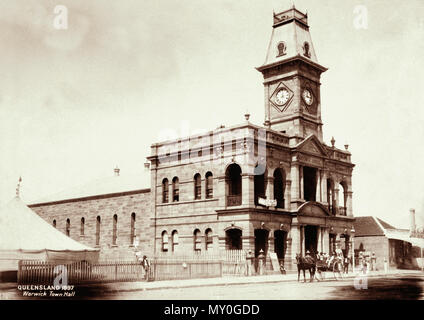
(98, 231)
(174, 240)
(197, 240)
(54, 223)
(233, 239)
(209, 185)
(208, 239)
(197, 186)
(68, 227)
(233, 181)
(132, 230)
(175, 190)
(281, 49)
(343, 199)
(115, 229)
(165, 190)
(82, 226)
(164, 241)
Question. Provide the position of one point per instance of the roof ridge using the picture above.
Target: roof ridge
(379, 224)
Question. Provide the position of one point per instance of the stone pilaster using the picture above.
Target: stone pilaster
(287, 195)
(349, 209)
(294, 174)
(336, 200)
(247, 190)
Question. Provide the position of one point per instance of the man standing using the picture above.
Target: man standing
(146, 266)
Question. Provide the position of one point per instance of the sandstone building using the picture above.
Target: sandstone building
(276, 187)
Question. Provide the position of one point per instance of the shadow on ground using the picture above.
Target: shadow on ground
(402, 288)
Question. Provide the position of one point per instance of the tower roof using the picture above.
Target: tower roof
(290, 39)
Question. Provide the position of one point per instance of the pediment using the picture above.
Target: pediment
(313, 209)
(312, 145)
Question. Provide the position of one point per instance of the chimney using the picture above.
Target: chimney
(412, 226)
(116, 170)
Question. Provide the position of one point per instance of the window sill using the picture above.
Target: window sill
(186, 202)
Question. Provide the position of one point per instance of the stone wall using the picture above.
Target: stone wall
(123, 205)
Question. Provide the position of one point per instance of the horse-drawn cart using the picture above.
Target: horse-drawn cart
(335, 266)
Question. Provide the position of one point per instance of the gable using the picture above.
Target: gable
(312, 145)
(312, 210)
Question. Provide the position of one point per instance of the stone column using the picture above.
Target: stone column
(325, 240)
(221, 192)
(296, 245)
(269, 188)
(287, 195)
(324, 188)
(318, 186)
(288, 257)
(302, 238)
(349, 209)
(247, 191)
(295, 182)
(319, 247)
(302, 196)
(336, 200)
(271, 241)
(338, 242)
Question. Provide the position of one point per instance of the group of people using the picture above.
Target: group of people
(326, 259)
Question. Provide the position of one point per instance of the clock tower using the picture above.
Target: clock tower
(292, 78)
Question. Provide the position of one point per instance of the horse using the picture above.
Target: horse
(305, 263)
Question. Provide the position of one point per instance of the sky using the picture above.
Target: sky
(76, 102)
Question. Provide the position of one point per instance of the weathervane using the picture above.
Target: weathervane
(18, 186)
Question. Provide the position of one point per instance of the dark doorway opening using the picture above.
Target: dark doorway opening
(261, 241)
(280, 243)
(309, 183)
(233, 239)
(279, 182)
(311, 239)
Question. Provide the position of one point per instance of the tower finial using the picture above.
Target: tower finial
(18, 187)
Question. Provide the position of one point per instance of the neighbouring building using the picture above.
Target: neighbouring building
(277, 187)
(388, 243)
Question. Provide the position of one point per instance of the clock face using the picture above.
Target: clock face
(307, 96)
(282, 97)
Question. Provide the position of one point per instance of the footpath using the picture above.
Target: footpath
(240, 280)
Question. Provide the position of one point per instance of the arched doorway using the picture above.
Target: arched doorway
(280, 238)
(311, 238)
(261, 241)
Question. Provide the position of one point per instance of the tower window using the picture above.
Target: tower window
(281, 47)
(54, 223)
(306, 50)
